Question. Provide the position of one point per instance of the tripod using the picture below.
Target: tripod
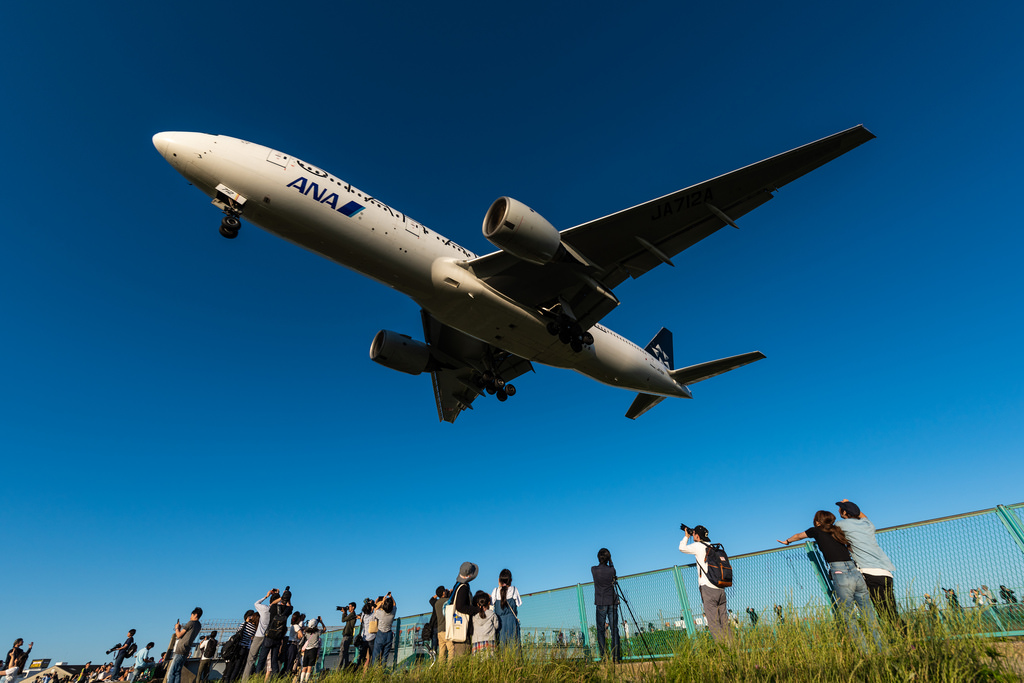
(636, 626)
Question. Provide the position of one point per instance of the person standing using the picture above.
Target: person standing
(207, 651)
(606, 603)
(185, 635)
(277, 630)
(506, 601)
(261, 632)
(236, 649)
(716, 611)
(752, 613)
(462, 616)
(849, 590)
(485, 625)
(15, 660)
(385, 616)
(122, 652)
(873, 563)
(311, 647)
(445, 651)
(348, 618)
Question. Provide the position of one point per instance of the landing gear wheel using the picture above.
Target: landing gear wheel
(576, 344)
(564, 336)
(553, 328)
(228, 234)
(510, 390)
(231, 223)
(490, 389)
(588, 338)
(502, 395)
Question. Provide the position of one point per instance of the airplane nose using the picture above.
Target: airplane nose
(181, 148)
(160, 141)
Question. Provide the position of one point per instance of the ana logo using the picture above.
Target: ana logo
(331, 199)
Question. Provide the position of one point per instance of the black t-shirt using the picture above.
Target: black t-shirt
(833, 550)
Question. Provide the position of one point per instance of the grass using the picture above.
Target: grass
(815, 649)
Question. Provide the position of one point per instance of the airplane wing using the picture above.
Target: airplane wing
(605, 252)
(463, 366)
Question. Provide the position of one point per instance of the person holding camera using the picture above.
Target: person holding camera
(311, 647)
(261, 631)
(348, 619)
(277, 630)
(606, 602)
(385, 616)
(185, 635)
(716, 611)
(122, 651)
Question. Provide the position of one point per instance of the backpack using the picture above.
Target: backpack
(427, 632)
(232, 646)
(130, 652)
(278, 621)
(719, 571)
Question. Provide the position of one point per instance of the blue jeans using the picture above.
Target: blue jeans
(851, 591)
(611, 614)
(382, 647)
(174, 675)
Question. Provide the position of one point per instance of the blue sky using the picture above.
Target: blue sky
(190, 420)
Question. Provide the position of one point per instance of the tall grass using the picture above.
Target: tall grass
(816, 649)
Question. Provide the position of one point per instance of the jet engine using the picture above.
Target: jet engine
(399, 352)
(517, 229)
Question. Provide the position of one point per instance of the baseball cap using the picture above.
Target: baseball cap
(851, 508)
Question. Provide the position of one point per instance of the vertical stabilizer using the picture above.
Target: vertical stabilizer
(661, 347)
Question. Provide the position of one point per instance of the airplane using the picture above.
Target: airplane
(538, 299)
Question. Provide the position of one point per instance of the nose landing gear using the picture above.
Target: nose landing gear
(229, 226)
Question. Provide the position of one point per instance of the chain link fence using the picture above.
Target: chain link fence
(967, 563)
(938, 565)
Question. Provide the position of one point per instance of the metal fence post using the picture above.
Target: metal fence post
(684, 603)
(822, 572)
(1009, 520)
(583, 615)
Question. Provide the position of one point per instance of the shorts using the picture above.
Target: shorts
(483, 645)
(309, 657)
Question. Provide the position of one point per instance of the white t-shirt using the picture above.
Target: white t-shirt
(511, 595)
(699, 550)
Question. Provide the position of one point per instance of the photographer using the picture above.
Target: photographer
(122, 652)
(716, 612)
(348, 618)
(606, 602)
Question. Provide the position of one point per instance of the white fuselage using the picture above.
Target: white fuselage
(319, 212)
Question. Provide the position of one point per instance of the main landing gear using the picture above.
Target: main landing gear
(229, 226)
(496, 386)
(569, 332)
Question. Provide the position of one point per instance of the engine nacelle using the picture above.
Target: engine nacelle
(514, 227)
(399, 352)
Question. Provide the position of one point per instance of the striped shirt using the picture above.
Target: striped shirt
(248, 631)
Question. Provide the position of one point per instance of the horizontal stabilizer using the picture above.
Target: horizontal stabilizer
(699, 373)
(642, 404)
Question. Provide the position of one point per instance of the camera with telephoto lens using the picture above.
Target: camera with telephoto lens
(686, 529)
(114, 648)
